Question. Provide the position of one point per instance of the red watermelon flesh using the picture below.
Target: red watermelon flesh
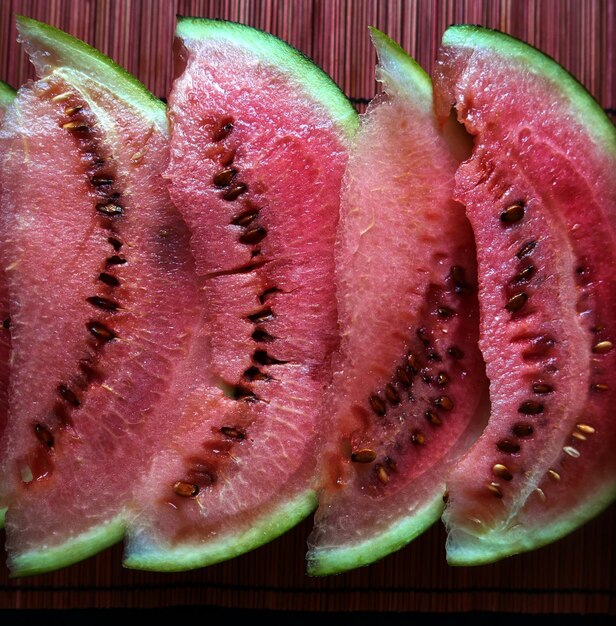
(258, 148)
(102, 294)
(541, 195)
(408, 377)
(7, 95)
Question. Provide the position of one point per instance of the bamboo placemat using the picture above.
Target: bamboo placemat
(575, 575)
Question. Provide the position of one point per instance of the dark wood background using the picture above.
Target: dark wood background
(574, 575)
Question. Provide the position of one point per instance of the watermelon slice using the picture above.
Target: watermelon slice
(103, 298)
(259, 140)
(540, 192)
(7, 95)
(409, 377)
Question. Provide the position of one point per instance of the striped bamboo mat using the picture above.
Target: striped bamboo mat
(576, 575)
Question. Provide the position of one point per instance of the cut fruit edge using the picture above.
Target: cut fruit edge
(222, 548)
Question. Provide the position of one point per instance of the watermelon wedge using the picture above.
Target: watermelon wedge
(405, 399)
(7, 95)
(103, 298)
(259, 141)
(540, 193)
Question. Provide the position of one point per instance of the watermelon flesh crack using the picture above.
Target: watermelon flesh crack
(258, 147)
(540, 193)
(103, 299)
(405, 401)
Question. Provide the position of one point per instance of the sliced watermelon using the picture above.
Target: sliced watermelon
(103, 298)
(409, 377)
(259, 141)
(7, 95)
(540, 192)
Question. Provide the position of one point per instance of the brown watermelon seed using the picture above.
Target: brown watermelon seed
(254, 373)
(442, 379)
(603, 347)
(115, 243)
(227, 157)
(109, 279)
(516, 302)
(262, 357)
(455, 353)
(443, 402)
(508, 446)
(43, 435)
(101, 181)
(103, 303)
(110, 209)
(261, 316)
(413, 363)
(495, 489)
(599, 387)
(235, 192)
(572, 452)
(262, 336)
(268, 292)
(525, 274)
(433, 418)
(224, 177)
(365, 455)
(116, 260)
(391, 394)
(185, 490)
(402, 377)
(72, 110)
(530, 407)
(239, 392)
(68, 395)
(522, 430)
(513, 213)
(458, 276)
(100, 331)
(233, 433)
(246, 217)
(76, 127)
(542, 388)
(418, 438)
(423, 336)
(61, 97)
(253, 235)
(6, 323)
(586, 429)
(526, 249)
(377, 405)
(553, 474)
(502, 471)
(541, 494)
(444, 312)
(222, 128)
(381, 473)
(579, 436)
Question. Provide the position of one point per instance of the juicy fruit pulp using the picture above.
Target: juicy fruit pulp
(7, 95)
(409, 378)
(257, 156)
(540, 193)
(99, 272)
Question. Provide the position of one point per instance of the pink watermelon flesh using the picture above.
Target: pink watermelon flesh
(256, 164)
(103, 302)
(409, 377)
(541, 195)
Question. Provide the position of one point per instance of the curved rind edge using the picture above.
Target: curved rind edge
(327, 561)
(274, 51)
(78, 548)
(471, 36)
(84, 59)
(479, 551)
(7, 94)
(196, 555)
(398, 70)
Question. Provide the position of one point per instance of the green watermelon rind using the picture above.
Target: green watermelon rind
(70, 551)
(7, 95)
(327, 561)
(272, 51)
(596, 123)
(484, 549)
(81, 63)
(163, 558)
